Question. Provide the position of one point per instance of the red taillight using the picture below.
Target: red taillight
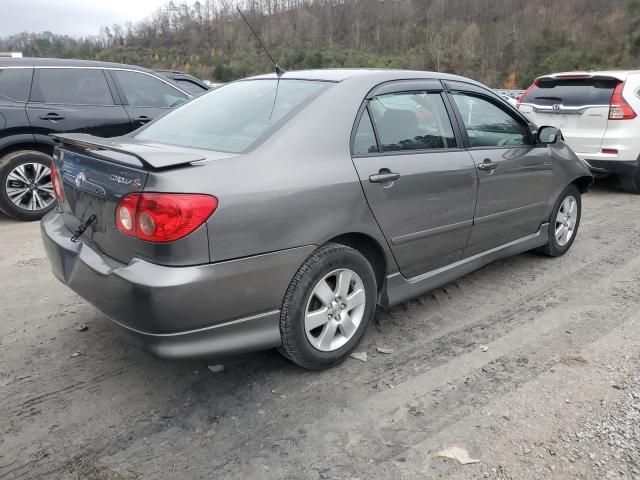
(163, 217)
(619, 109)
(57, 184)
(522, 96)
(610, 151)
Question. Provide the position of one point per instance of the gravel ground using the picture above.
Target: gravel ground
(530, 364)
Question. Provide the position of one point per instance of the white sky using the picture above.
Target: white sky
(71, 17)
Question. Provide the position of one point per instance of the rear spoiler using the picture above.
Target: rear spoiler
(128, 152)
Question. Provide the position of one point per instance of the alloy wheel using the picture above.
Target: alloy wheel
(29, 186)
(566, 221)
(335, 310)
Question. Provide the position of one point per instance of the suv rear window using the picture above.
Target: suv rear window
(15, 83)
(233, 117)
(574, 92)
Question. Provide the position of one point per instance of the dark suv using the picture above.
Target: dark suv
(43, 96)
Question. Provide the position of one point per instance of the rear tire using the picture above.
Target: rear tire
(631, 183)
(563, 223)
(328, 307)
(24, 176)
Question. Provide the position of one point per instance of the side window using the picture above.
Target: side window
(365, 139)
(412, 121)
(488, 125)
(142, 90)
(15, 83)
(71, 86)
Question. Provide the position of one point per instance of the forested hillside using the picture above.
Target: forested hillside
(500, 42)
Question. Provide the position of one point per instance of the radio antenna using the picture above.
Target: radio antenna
(279, 70)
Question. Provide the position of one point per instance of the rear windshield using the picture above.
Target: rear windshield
(233, 117)
(576, 92)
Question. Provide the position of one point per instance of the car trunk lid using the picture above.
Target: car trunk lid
(96, 174)
(577, 104)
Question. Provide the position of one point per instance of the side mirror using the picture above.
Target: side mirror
(549, 135)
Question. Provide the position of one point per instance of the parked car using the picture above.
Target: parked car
(43, 96)
(597, 112)
(510, 96)
(279, 211)
(189, 83)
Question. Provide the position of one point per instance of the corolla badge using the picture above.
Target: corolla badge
(80, 179)
(126, 181)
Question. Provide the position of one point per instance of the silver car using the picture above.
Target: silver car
(278, 211)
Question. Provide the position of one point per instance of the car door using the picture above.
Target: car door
(418, 180)
(146, 96)
(514, 176)
(74, 100)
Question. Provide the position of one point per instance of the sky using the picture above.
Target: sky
(71, 17)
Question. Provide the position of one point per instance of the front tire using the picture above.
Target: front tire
(328, 307)
(563, 223)
(26, 192)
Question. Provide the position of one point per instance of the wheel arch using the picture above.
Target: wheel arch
(583, 183)
(16, 147)
(370, 248)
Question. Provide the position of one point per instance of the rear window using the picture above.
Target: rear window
(576, 92)
(233, 117)
(15, 83)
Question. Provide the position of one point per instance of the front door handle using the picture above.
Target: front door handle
(488, 165)
(384, 176)
(51, 116)
(142, 119)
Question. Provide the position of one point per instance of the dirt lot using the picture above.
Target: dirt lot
(555, 395)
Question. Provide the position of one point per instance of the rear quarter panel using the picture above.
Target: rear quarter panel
(297, 188)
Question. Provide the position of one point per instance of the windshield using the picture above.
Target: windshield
(233, 117)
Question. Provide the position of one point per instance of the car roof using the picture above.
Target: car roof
(379, 74)
(63, 62)
(617, 74)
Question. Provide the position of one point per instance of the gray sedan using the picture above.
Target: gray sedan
(278, 211)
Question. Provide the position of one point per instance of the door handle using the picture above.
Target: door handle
(142, 119)
(488, 165)
(384, 176)
(51, 116)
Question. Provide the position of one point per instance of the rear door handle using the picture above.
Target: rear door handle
(488, 165)
(51, 116)
(384, 176)
(142, 119)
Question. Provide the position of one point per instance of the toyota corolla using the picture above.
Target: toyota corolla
(280, 210)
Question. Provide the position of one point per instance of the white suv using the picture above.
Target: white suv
(598, 115)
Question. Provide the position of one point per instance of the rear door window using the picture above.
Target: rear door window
(364, 141)
(412, 121)
(142, 90)
(15, 83)
(71, 86)
(575, 92)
